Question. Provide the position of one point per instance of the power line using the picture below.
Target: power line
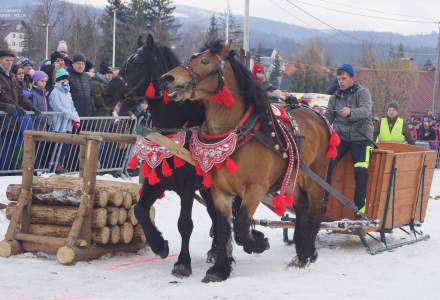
(323, 22)
(366, 16)
(373, 10)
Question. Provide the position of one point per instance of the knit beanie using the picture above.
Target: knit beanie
(104, 68)
(89, 66)
(347, 68)
(38, 75)
(78, 57)
(61, 74)
(394, 105)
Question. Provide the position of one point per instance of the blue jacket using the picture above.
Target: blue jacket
(59, 101)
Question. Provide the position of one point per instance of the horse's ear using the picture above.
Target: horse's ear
(150, 41)
(226, 49)
(140, 41)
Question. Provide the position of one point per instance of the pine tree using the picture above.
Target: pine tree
(258, 54)
(428, 65)
(401, 51)
(161, 22)
(125, 39)
(213, 31)
(276, 71)
(235, 31)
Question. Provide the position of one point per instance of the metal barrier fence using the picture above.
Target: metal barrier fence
(61, 158)
(433, 146)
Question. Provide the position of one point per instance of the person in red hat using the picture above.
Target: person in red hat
(258, 72)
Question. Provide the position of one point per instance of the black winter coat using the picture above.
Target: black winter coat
(81, 90)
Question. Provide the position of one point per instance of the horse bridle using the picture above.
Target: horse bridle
(197, 78)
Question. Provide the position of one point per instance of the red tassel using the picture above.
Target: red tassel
(218, 166)
(133, 163)
(334, 140)
(146, 170)
(284, 117)
(333, 143)
(150, 92)
(207, 180)
(199, 170)
(231, 166)
(224, 97)
(165, 97)
(162, 195)
(290, 201)
(279, 203)
(178, 162)
(152, 178)
(166, 170)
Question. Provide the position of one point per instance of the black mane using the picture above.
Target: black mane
(151, 61)
(250, 91)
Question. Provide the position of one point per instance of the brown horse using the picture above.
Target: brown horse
(260, 167)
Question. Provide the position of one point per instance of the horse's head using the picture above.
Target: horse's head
(199, 77)
(150, 61)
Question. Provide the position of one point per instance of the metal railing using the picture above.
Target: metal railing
(56, 157)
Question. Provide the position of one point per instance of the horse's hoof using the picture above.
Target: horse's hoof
(258, 244)
(212, 278)
(218, 272)
(298, 263)
(180, 270)
(166, 250)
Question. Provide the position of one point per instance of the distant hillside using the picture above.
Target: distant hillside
(285, 37)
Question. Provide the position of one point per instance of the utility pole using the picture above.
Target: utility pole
(228, 11)
(114, 38)
(437, 76)
(47, 39)
(247, 56)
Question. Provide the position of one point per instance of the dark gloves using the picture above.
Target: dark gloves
(18, 112)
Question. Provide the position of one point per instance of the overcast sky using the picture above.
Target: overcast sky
(344, 18)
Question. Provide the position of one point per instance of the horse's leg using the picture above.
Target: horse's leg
(212, 253)
(182, 268)
(142, 212)
(221, 270)
(309, 211)
(253, 241)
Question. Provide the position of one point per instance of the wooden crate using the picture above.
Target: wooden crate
(396, 174)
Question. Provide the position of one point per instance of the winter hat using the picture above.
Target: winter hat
(38, 75)
(89, 66)
(347, 68)
(78, 57)
(104, 68)
(4, 53)
(54, 56)
(394, 105)
(24, 61)
(257, 68)
(61, 74)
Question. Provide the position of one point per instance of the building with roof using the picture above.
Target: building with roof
(15, 35)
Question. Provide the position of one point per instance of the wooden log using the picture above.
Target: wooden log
(67, 255)
(115, 234)
(122, 216)
(126, 233)
(47, 240)
(131, 217)
(138, 234)
(116, 197)
(60, 215)
(9, 248)
(53, 194)
(128, 200)
(100, 236)
(112, 215)
(64, 138)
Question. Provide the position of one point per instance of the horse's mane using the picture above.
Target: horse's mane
(249, 90)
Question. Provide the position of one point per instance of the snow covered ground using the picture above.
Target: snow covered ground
(343, 271)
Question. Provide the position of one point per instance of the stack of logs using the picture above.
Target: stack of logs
(55, 202)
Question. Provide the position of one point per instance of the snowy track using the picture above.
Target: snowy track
(343, 271)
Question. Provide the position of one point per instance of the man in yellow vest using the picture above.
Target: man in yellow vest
(392, 128)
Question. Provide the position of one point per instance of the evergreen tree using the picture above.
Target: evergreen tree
(428, 65)
(213, 31)
(401, 51)
(276, 71)
(235, 31)
(125, 40)
(309, 80)
(161, 22)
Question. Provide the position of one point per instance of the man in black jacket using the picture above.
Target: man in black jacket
(80, 86)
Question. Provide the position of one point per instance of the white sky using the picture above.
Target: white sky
(425, 10)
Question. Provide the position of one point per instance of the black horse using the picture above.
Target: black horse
(150, 61)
